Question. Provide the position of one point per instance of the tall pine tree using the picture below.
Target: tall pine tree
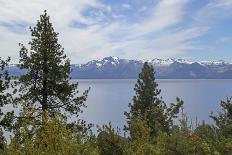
(46, 86)
(148, 104)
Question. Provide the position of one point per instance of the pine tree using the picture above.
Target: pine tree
(224, 120)
(147, 92)
(148, 103)
(46, 86)
(6, 117)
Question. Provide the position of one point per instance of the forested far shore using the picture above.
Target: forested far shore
(46, 99)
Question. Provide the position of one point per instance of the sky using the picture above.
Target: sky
(132, 29)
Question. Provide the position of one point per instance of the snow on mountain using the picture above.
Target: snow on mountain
(220, 62)
(115, 68)
(166, 62)
(156, 62)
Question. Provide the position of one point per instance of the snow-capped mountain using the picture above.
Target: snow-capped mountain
(116, 68)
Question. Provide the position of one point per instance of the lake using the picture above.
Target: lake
(109, 98)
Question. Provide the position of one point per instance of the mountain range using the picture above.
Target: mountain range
(116, 68)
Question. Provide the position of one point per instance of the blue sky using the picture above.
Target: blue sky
(133, 29)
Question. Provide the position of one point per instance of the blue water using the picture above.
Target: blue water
(108, 99)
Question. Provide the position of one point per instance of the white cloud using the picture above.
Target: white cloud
(62, 12)
(126, 6)
(9, 42)
(215, 9)
(103, 37)
(165, 14)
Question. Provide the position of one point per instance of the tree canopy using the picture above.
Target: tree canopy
(148, 103)
(46, 86)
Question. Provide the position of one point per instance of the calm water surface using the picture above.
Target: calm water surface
(108, 99)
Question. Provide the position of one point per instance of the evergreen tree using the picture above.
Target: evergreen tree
(147, 102)
(140, 137)
(46, 85)
(224, 120)
(109, 141)
(223, 124)
(6, 117)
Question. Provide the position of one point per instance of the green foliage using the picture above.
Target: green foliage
(224, 127)
(51, 138)
(140, 141)
(6, 117)
(209, 134)
(149, 104)
(46, 86)
(186, 143)
(3, 143)
(140, 131)
(224, 119)
(109, 141)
